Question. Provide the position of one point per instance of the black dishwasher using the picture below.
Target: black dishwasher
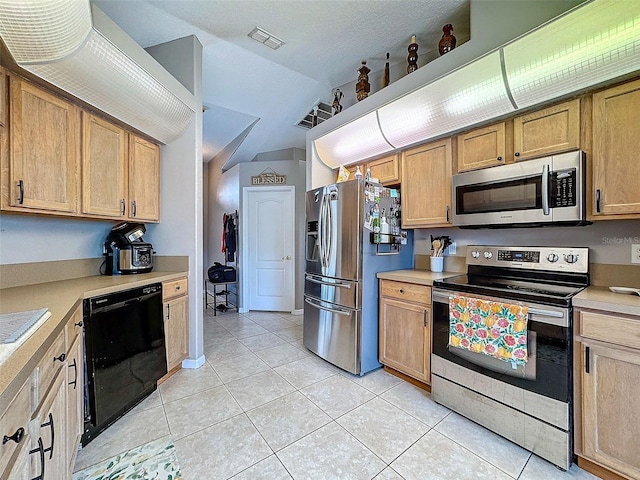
(125, 353)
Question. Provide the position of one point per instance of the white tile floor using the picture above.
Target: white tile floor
(263, 407)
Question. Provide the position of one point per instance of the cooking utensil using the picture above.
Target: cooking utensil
(625, 290)
(436, 247)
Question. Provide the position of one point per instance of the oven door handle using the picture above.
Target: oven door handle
(545, 313)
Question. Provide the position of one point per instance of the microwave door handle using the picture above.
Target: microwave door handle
(545, 190)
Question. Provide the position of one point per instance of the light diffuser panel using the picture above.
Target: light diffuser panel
(470, 95)
(588, 46)
(352, 142)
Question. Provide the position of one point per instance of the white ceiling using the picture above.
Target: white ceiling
(244, 80)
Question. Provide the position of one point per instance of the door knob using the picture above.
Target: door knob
(288, 257)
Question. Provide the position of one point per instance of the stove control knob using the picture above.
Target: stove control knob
(475, 254)
(488, 255)
(571, 258)
(552, 257)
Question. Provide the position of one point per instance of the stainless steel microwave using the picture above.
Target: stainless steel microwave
(543, 191)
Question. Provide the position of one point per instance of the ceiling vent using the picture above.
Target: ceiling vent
(262, 36)
(76, 47)
(325, 112)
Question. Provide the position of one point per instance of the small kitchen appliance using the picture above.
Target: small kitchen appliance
(529, 402)
(125, 250)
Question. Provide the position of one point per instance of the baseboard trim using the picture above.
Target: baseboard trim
(407, 378)
(243, 310)
(298, 311)
(191, 363)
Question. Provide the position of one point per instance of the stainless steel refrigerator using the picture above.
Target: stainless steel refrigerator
(353, 232)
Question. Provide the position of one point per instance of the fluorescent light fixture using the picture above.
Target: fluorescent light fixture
(588, 46)
(352, 142)
(472, 94)
(59, 41)
(262, 36)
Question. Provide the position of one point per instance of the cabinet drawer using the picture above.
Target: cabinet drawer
(174, 288)
(49, 366)
(612, 329)
(73, 327)
(16, 416)
(410, 292)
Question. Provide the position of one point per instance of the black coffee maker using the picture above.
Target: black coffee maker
(125, 250)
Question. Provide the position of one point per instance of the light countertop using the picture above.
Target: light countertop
(601, 298)
(61, 299)
(421, 277)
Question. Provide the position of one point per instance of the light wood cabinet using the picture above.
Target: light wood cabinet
(43, 152)
(481, 148)
(75, 388)
(176, 321)
(144, 180)
(14, 427)
(426, 185)
(615, 158)
(20, 468)
(3, 97)
(48, 433)
(607, 393)
(104, 167)
(550, 130)
(405, 328)
(385, 169)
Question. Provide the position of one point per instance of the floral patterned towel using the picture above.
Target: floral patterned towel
(493, 328)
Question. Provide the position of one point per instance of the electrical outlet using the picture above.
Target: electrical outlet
(452, 248)
(635, 253)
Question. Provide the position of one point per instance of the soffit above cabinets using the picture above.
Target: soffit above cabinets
(595, 43)
(74, 46)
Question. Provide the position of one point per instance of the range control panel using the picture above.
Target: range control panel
(565, 259)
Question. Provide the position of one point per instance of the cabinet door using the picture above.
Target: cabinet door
(176, 330)
(20, 468)
(44, 150)
(75, 414)
(404, 338)
(426, 185)
(610, 406)
(3, 97)
(144, 180)
(480, 148)
(550, 130)
(386, 169)
(49, 434)
(616, 162)
(104, 172)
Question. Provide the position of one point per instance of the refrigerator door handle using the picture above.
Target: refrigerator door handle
(321, 227)
(346, 313)
(329, 232)
(313, 279)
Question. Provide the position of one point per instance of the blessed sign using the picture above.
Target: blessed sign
(269, 178)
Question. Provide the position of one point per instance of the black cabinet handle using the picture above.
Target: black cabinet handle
(598, 197)
(401, 290)
(40, 450)
(21, 190)
(53, 435)
(122, 206)
(134, 208)
(448, 208)
(79, 324)
(60, 358)
(517, 154)
(16, 437)
(587, 360)
(168, 311)
(425, 317)
(75, 369)
(499, 159)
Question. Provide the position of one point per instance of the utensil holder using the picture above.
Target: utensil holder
(437, 264)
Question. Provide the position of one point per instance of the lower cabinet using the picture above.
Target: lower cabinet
(405, 328)
(74, 414)
(176, 321)
(609, 394)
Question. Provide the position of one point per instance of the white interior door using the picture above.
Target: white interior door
(270, 247)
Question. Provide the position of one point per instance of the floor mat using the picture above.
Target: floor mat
(152, 461)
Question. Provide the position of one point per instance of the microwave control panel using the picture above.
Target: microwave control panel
(563, 188)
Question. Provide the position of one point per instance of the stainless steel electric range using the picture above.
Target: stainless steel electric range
(530, 403)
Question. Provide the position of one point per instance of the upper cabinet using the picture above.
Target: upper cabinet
(615, 159)
(144, 180)
(385, 169)
(550, 130)
(426, 185)
(104, 167)
(49, 141)
(482, 147)
(43, 152)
